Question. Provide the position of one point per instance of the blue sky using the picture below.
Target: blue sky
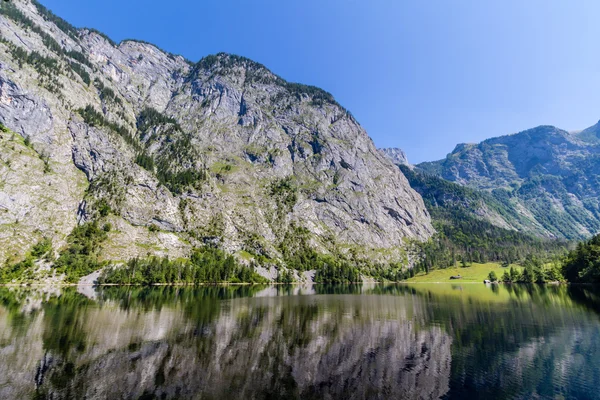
(420, 75)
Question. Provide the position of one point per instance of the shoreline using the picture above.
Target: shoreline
(284, 284)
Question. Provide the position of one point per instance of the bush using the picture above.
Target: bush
(24, 270)
(20, 271)
(42, 248)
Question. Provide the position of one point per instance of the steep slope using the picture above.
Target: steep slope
(547, 175)
(474, 225)
(590, 135)
(175, 155)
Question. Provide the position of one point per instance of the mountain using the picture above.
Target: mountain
(590, 135)
(396, 155)
(474, 225)
(547, 178)
(169, 155)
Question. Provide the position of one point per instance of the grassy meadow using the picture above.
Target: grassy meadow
(474, 273)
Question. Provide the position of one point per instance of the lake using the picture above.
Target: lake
(421, 341)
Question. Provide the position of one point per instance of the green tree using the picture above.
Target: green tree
(528, 275)
(583, 263)
(515, 276)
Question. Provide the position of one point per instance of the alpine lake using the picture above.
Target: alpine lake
(370, 341)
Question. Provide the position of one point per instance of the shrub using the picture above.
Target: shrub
(42, 248)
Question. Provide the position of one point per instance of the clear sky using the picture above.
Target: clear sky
(422, 75)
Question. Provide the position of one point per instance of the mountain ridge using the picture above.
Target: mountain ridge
(546, 174)
(174, 156)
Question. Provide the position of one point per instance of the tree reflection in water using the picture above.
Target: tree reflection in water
(353, 342)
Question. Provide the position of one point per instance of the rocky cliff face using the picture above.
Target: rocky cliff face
(220, 151)
(396, 155)
(547, 175)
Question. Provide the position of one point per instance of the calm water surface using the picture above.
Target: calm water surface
(264, 342)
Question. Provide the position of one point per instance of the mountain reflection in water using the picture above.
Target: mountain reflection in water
(269, 342)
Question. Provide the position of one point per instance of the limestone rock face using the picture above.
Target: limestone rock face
(396, 155)
(222, 150)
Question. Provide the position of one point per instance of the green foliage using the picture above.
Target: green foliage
(98, 84)
(80, 258)
(492, 276)
(177, 181)
(175, 164)
(46, 160)
(534, 270)
(42, 248)
(514, 275)
(286, 276)
(47, 67)
(103, 208)
(583, 263)
(297, 251)
(23, 271)
(527, 276)
(150, 118)
(107, 94)
(4, 128)
(145, 161)
(91, 116)
(465, 237)
(206, 265)
(94, 118)
(59, 22)
(285, 192)
(79, 57)
(18, 272)
(11, 11)
(80, 70)
(330, 270)
(506, 277)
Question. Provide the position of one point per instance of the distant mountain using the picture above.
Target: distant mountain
(590, 135)
(548, 179)
(474, 225)
(176, 154)
(396, 155)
